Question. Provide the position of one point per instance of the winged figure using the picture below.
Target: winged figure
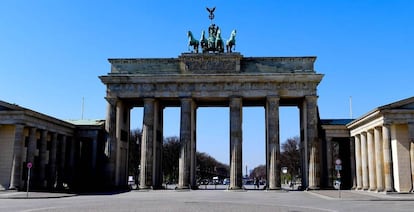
(211, 11)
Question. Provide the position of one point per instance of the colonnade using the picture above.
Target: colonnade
(46, 151)
(373, 159)
(151, 143)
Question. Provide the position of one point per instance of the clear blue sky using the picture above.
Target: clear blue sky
(52, 52)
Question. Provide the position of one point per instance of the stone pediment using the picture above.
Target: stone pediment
(402, 104)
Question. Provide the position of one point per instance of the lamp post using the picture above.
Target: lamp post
(284, 171)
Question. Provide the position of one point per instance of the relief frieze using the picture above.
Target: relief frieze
(173, 88)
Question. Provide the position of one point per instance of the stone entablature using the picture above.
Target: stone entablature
(212, 76)
(189, 63)
(19, 115)
(211, 86)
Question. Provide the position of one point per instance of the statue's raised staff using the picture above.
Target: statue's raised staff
(231, 42)
(192, 42)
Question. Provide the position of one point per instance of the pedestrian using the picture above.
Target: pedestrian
(256, 182)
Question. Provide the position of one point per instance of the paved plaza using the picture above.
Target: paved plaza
(208, 200)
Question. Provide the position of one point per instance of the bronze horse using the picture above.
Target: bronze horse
(231, 41)
(192, 42)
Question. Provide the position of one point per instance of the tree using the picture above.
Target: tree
(171, 154)
(134, 156)
(209, 167)
(290, 156)
(258, 172)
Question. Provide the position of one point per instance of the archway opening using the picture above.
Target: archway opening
(212, 138)
(254, 147)
(290, 158)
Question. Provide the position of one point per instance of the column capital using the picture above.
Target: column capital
(149, 100)
(387, 124)
(235, 101)
(311, 98)
(111, 100)
(273, 97)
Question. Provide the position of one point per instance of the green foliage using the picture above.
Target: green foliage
(290, 156)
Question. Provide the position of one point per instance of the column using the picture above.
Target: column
(16, 172)
(272, 143)
(312, 137)
(187, 139)
(73, 157)
(358, 161)
(61, 164)
(329, 161)
(42, 155)
(411, 139)
(386, 142)
(94, 151)
(353, 165)
(304, 147)
(371, 161)
(30, 154)
(111, 145)
(157, 147)
(236, 167)
(31, 147)
(364, 157)
(193, 148)
(379, 158)
(52, 161)
(147, 143)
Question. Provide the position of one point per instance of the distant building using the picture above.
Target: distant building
(62, 154)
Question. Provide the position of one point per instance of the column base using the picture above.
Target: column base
(235, 188)
(273, 189)
(183, 187)
(144, 187)
(313, 188)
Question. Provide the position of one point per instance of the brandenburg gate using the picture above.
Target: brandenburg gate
(206, 79)
(210, 79)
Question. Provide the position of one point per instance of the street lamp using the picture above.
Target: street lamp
(284, 171)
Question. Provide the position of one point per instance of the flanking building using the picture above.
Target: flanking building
(61, 154)
(384, 148)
